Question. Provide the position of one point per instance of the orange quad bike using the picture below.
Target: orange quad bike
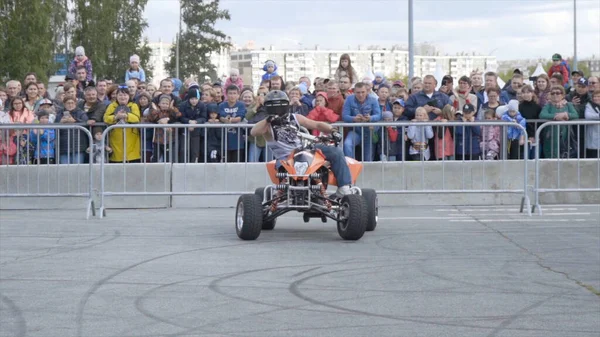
(300, 184)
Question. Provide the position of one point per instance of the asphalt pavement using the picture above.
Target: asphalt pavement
(424, 271)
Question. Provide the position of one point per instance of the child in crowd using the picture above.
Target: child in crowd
(8, 148)
(270, 69)
(419, 136)
(444, 140)
(345, 69)
(490, 136)
(234, 79)
(25, 150)
(81, 60)
(388, 145)
(43, 140)
(467, 138)
(214, 135)
(515, 135)
(163, 137)
(379, 81)
(233, 111)
(321, 113)
(96, 149)
(135, 71)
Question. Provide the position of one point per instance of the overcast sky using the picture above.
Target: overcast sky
(508, 29)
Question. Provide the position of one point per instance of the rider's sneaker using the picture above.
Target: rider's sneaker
(343, 190)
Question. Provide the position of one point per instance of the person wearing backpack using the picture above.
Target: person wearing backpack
(560, 66)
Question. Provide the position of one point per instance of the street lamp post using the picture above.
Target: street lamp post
(411, 47)
(178, 40)
(574, 35)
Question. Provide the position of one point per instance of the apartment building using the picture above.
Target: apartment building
(293, 64)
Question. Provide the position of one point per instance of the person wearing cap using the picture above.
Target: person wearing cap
(81, 60)
(134, 70)
(580, 98)
(575, 76)
(559, 66)
(394, 139)
(467, 138)
(71, 143)
(43, 140)
(125, 143)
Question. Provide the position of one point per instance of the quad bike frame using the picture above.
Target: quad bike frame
(300, 184)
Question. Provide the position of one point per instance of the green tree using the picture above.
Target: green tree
(199, 39)
(28, 37)
(397, 77)
(111, 31)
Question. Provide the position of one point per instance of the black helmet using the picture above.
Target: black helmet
(277, 103)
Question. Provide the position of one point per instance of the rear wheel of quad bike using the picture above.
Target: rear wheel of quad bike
(248, 217)
(372, 202)
(266, 225)
(352, 217)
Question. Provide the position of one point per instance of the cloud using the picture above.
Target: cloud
(514, 29)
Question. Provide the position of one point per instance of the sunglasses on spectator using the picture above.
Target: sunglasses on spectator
(123, 87)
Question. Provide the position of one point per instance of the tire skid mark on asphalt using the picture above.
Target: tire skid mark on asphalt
(67, 248)
(507, 322)
(295, 290)
(277, 307)
(21, 324)
(98, 284)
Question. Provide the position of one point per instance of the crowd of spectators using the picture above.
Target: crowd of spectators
(558, 95)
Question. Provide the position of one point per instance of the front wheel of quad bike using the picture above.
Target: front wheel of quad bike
(352, 217)
(372, 202)
(248, 217)
(266, 225)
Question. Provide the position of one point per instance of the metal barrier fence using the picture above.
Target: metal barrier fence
(41, 146)
(563, 143)
(480, 178)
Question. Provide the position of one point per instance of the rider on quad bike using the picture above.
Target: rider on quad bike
(305, 166)
(282, 142)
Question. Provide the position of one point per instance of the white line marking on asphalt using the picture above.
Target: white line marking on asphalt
(520, 220)
(499, 209)
(517, 214)
(419, 218)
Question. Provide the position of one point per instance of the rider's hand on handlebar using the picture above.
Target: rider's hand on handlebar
(336, 136)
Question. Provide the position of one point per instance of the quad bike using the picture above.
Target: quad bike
(300, 184)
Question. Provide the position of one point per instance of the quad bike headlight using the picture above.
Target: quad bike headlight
(300, 167)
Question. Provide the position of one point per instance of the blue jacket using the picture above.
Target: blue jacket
(197, 113)
(420, 99)
(467, 136)
(353, 108)
(507, 95)
(513, 131)
(235, 139)
(45, 148)
(139, 74)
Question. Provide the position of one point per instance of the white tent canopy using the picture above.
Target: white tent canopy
(439, 75)
(538, 71)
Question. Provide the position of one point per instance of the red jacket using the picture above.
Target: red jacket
(561, 68)
(322, 114)
(7, 151)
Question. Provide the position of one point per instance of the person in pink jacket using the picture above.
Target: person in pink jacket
(490, 137)
(321, 113)
(235, 79)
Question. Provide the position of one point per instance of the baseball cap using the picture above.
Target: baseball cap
(45, 101)
(468, 108)
(577, 72)
(556, 57)
(582, 81)
(399, 101)
(399, 83)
